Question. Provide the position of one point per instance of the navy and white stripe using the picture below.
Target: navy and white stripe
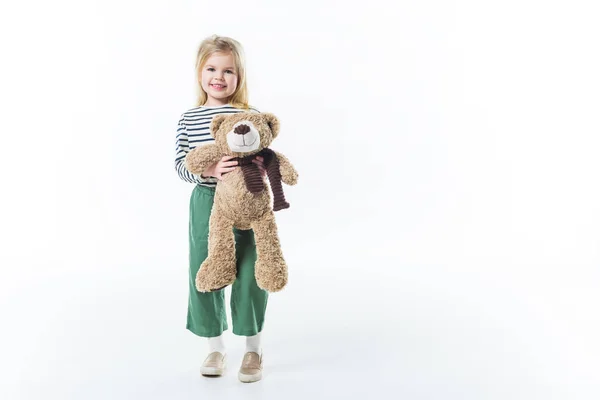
(193, 130)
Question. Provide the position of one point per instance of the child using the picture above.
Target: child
(222, 90)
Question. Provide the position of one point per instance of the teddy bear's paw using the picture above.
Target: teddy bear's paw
(212, 276)
(289, 177)
(293, 178)
(271, 276)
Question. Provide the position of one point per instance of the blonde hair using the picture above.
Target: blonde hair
(221, 44)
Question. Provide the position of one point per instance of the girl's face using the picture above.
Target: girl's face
(219, 78)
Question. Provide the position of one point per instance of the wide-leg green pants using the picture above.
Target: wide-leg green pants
(206, 311)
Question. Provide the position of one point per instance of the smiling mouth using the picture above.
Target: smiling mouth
(247, 144)
(243, 147)
(217, 86)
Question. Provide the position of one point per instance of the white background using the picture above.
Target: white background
(443, 240)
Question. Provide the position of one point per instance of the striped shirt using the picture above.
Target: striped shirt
(193, 130)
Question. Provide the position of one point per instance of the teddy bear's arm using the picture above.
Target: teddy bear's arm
(289, 175)
(198, 159)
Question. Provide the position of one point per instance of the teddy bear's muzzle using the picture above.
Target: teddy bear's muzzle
(243, 138)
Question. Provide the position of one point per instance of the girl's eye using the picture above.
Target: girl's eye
(211, 69)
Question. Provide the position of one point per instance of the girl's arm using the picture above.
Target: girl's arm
(181, 150)
(289, 175)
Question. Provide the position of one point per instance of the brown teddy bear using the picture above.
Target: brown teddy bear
(242, 199)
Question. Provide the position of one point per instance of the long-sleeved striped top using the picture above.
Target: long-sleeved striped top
(193, 130)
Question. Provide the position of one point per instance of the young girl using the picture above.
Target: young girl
(221, 77)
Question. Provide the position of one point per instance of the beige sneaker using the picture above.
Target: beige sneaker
(214, 364)
(251, 369)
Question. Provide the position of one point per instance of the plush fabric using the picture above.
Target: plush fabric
(243, 200)
(254, 181)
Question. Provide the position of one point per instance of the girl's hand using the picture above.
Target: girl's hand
(220, 168)
(261, 166)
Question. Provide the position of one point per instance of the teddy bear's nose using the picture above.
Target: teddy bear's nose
(242, 129)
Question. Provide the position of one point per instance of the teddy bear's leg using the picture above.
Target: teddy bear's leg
(270, 268)
(219, 268)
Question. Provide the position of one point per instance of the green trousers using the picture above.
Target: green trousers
(206, 311)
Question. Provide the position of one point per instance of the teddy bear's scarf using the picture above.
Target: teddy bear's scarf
(254, 181)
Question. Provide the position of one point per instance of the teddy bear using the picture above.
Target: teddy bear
(243, 200)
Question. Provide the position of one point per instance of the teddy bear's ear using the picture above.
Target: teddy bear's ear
(273, 123)
(215, 123)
